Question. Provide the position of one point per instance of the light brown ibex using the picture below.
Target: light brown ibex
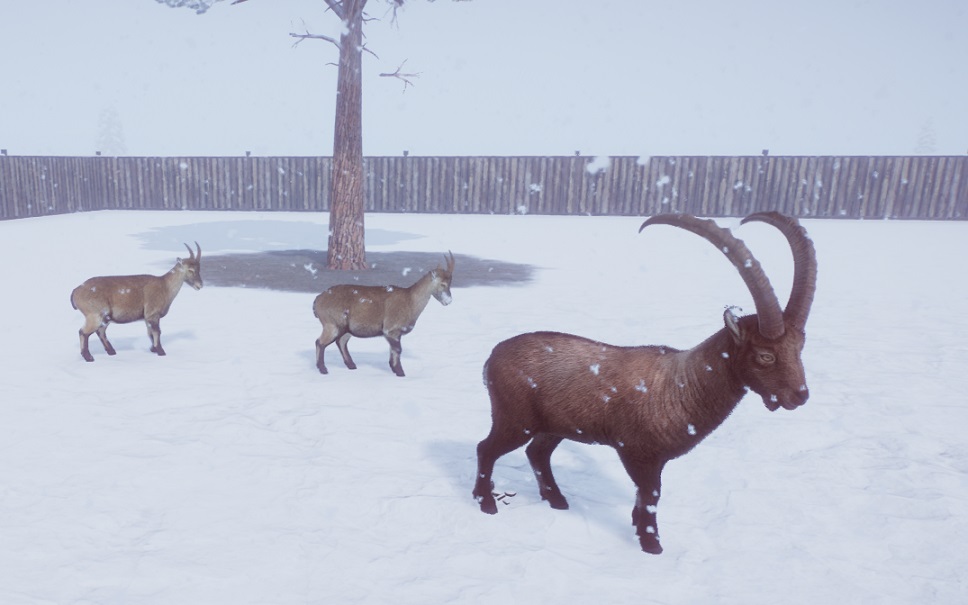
(651, 403)
(366, 311)
(126, 298)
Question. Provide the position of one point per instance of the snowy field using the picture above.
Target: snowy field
(231, 472)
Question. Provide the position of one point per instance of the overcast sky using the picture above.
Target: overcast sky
(497, 77)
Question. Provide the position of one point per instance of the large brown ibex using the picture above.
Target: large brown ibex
(126, 298)
(366, 311)
(650, 403)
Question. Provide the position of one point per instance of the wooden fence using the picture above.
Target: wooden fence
(916, 187)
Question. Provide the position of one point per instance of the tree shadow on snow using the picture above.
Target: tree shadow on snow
(305, 270)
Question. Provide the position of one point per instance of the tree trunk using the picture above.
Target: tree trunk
(346, 232)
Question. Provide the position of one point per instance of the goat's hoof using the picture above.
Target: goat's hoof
(557, 502)
(110, 351)
(650, 545)
(87, 356)
(489, 506)
(322, 369)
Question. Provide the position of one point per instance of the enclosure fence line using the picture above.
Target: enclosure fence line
(867, 187)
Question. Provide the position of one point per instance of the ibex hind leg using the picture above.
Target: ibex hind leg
(92, 325)
(85, 351)
(102, 333)
(325, 339)
(495, 445)
(395, 349)
(344, 351)
(539, 455)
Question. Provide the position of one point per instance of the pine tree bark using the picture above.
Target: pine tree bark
(346, 247)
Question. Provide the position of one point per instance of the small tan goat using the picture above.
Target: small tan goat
(126, 298)
(366, 311)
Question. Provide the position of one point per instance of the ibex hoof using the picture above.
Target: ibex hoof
(650, 545)
(87, 356)
(489, 506)
(557, 502)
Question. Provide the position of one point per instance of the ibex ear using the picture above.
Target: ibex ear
(732, 324)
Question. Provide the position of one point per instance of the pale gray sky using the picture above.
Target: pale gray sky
(498, 77)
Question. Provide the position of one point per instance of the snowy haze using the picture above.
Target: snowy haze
(497, 77)
(231, 472)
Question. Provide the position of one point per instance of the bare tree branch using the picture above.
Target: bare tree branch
(337, 7)
(401, 76)
(333, 41)
(309, 36)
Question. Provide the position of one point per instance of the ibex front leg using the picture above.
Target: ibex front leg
(395, 349)
(154, 333)
(647, 476)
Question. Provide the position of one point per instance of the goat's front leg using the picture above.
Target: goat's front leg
(154, 333)
(647, 475)
(395, 349)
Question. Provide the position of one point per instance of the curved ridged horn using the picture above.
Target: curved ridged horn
(768, 311)
(804, 264)
(192, 255)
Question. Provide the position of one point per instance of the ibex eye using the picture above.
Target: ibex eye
(766, 358)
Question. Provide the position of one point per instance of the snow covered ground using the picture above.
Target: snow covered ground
(231, 472)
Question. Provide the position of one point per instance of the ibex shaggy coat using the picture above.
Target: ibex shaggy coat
(366, 311)
(126, 298)
(650, 403)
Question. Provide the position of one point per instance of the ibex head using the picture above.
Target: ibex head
(192, 267)
(442, 278)
(768, 344)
